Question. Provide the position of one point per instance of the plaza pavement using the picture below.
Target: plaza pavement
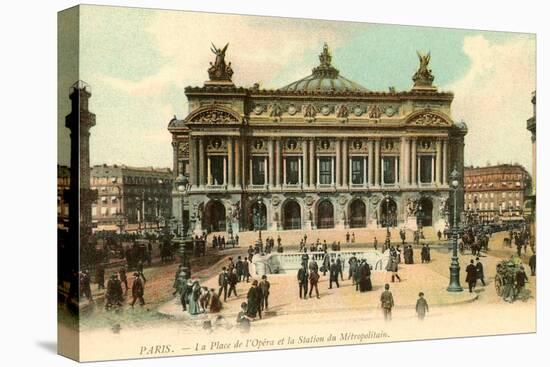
(340, 303)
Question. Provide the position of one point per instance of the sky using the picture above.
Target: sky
(138, 62)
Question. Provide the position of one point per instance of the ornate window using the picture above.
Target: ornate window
(325, 171)
(357, 170)
(258, 170)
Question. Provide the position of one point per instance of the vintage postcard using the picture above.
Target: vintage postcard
(232, 183)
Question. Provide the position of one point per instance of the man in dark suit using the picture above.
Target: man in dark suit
(302, 281)
(471, 275)
(232, 280)
(264, 288)
(334, 270)
(223, 280)
(480, 273)
(239, 267)
(137, 290)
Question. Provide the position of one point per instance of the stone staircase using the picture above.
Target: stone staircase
(362, 235)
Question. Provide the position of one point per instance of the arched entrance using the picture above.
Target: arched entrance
(424, 214)
(214, 216)
(357, 214)
(388, 213)
(325, 215)
(292, 215)
(257, 217)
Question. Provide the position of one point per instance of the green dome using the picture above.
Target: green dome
(324, 78)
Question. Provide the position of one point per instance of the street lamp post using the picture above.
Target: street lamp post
(387, 220)
(183, 186)
(454, 279)
(258, 222)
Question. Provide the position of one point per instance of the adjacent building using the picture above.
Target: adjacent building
(131, 198)
(495, 192)
(320, 152)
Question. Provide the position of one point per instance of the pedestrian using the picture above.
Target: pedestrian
(439, 235)
(85, 285)
(533, 264)
(264, 288)
(100, 276)
(123, 278)
(313, 283)
(375, 244)
(365, 283)
(215, 303)
(480, 273)
(347, 237)
(113, 293)
(223, 281)
(521, 279)
(243, 320)
(340, 265)
(302, 281)
(186, 286)
(471, 275)
(239, 268)
(137, 290)
(352, 262)
(246, 269)
(421, 306)
(326, 263)
(253, 298)
(232, 281)
(393, 267)
(386, 302)
(333, 275)
(313, 265)
(194, 295)
(352, 237)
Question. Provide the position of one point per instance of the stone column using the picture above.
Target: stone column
(402, 159)
(279, 162)
(271, 165)
(407, 162)
(345, 163)
(305, 159)
(209, 171)
(238, 164)
(312, 178)
(201, 166)
(438, 162)
(193, 161)
(413, 163)
(371, 163)
(224, 171)
(175, 167)
(245, 162)
(377, 162)
(338, 157)
(445, 157)
(231, 162)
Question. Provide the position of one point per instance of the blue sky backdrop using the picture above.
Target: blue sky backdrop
(138, 62)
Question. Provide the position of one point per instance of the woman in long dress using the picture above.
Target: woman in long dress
(365, 283)
(194, 307)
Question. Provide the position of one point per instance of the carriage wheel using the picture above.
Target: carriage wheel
(499, 285)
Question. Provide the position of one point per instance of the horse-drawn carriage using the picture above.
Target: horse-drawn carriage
(506, 280)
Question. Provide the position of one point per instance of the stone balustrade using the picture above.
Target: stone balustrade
(290, 262)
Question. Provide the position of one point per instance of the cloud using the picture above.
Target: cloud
(260, 48)
(494, 96)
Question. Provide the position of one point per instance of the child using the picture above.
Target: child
(243, 320)
(421, 306)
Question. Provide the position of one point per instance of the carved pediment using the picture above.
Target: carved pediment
(214, 115)
(424, 118)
